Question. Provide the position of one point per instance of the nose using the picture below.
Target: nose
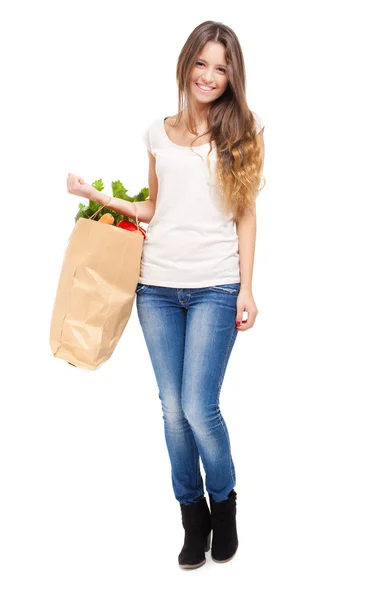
(207, 77)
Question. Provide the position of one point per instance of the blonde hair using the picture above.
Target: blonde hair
(231, 123)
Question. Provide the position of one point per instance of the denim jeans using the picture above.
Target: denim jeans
(189, 334)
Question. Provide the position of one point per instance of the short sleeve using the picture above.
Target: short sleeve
(259, 123)
(146, 138)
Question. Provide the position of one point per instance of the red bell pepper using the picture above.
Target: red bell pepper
(131, 227)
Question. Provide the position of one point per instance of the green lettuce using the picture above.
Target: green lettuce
(118, 191)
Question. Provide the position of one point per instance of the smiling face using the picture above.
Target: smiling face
(209, 71)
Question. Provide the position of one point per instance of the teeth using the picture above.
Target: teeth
(203, 87)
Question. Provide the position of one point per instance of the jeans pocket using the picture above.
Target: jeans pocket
(141, 287)
(227, 288)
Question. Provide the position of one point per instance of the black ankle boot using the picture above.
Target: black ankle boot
(197, 525)
(225, 537)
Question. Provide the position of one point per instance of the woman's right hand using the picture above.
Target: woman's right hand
(77, 186)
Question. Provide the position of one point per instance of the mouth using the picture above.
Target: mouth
(205, 88)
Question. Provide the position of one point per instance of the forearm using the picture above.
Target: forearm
(145, 209)
(246, 230)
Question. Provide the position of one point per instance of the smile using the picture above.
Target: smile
(204, 88)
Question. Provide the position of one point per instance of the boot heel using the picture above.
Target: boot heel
(223, 520)
(208, 540)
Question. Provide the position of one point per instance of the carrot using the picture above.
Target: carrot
(107, 218)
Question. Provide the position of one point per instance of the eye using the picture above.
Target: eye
(198, 62)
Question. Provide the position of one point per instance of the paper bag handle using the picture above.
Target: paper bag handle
(104, 205)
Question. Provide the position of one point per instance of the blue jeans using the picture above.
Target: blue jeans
(189, 334)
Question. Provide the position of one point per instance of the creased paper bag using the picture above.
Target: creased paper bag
(95, 293)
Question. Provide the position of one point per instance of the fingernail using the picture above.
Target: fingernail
(238, 323)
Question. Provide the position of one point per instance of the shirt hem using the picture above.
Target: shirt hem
(189, 284)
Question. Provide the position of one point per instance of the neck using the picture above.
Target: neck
(200, 112)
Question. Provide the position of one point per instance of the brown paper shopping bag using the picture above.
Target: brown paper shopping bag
(96, 291)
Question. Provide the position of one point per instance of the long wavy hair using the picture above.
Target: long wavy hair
(231, 124)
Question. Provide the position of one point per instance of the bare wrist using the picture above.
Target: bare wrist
(92, 195)
(99, 197)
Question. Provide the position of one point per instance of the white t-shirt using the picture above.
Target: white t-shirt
(189, 242)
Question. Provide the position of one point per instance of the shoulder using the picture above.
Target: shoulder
(259, 123)
(152, 133)
(152, 125)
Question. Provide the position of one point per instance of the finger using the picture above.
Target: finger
(239, 317)
(241, 322)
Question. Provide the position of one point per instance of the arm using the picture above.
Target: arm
(246, 231)
(145, 209)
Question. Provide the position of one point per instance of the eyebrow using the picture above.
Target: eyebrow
(216, 65)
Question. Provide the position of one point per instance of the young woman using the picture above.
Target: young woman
(205, 169)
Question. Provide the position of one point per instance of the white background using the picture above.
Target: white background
(87, 507)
